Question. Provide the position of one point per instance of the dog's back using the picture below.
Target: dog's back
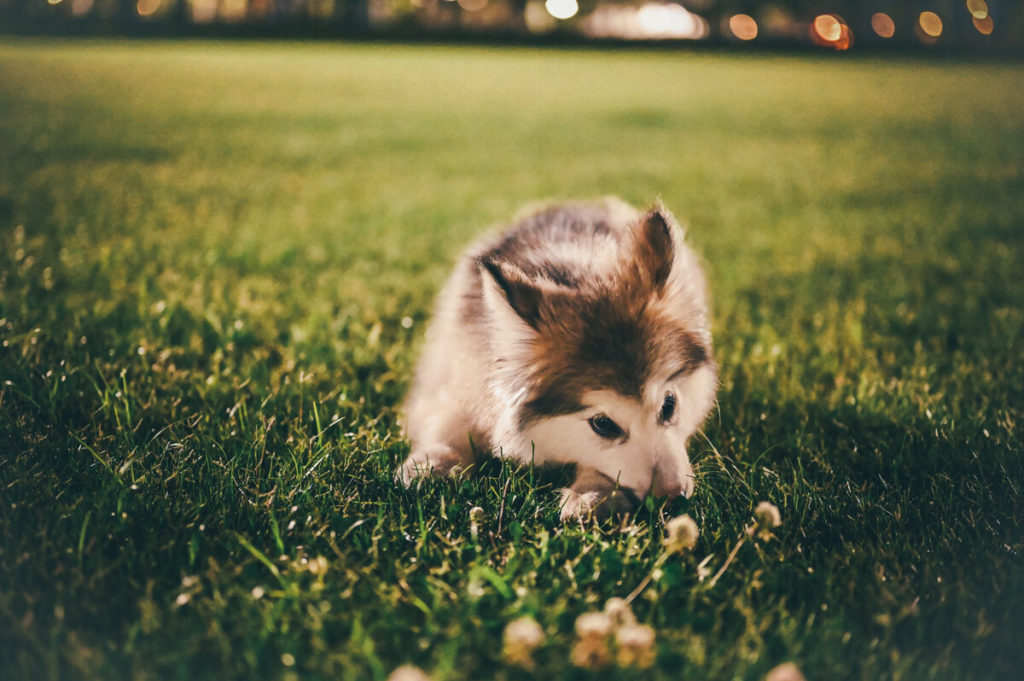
(567, 244)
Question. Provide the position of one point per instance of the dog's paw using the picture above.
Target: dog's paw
(597, 504)
(435, 460)
(596, 495)
(578, 505)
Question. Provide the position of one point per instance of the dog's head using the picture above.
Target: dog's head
(609, 365)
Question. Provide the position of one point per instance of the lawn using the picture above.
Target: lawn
(216, 265)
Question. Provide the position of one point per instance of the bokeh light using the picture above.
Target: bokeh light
(985, 26)
(651, 21)
(669, 21)
(883, 25)
(827, 27)
(203, 11)
(743, 26)
(977, 8)
(562, 9)
(537, 18)
(831, 30)
(147, 8)
(930, 24)
(232, 10)
(778, 23)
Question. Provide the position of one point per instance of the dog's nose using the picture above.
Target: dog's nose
(680, 487)
(688, 485)
(673, 479)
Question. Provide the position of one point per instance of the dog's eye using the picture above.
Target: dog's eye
(605, 427)
(668, 408)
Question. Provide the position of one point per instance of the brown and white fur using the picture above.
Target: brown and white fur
(580, 335)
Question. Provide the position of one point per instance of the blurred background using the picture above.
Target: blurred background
(938, 25)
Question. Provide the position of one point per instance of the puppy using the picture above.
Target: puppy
(579, 335)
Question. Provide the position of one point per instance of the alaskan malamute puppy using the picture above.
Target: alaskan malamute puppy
(580, 335)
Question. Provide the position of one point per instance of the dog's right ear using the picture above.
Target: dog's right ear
(504, 280)
(653, 248)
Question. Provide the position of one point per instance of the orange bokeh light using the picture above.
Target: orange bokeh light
(147, 8)
(830, 30)
(743, 26)
(828, 27)
(930, 24)
(985, 26)
(883, 25)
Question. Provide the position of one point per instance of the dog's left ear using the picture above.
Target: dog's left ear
(653, 248)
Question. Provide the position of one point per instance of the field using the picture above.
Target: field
(216, 265)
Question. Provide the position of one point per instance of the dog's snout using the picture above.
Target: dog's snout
(682, 487)
(673, 478)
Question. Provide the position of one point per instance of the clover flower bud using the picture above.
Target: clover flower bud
(590, 653)
(476, 516)
(768, 515)
(522, 636)
(593, 625)
(318, 565)
(766, 518)
(787, 671)
(619, 612)
(408, 672)
(635, 646)
(681, 534)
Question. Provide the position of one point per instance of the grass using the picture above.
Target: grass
(217, 261)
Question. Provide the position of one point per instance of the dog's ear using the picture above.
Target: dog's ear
(653, 248)
(524, 296)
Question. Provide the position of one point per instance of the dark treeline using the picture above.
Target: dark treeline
(784, 22)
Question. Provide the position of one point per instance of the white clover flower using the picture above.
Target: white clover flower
(593, 625)
(476, 516)
(787, 671)
(766, 518)
(522, 636)
(635, 646)
(619, 612)
(681, 534)
(318, 565)
(408, 672)
(768, 515)
(590, 653)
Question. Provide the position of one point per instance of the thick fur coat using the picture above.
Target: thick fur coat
(579, 335)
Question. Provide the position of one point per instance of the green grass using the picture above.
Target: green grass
(210, 256)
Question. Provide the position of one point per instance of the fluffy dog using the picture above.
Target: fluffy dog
(579, 335)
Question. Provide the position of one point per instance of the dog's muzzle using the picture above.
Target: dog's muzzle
(673, 479)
